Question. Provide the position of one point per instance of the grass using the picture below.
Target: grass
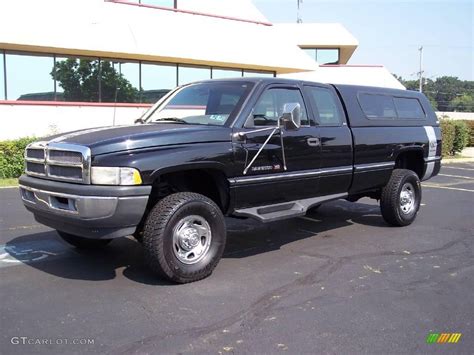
(8, 182)
(456, 156)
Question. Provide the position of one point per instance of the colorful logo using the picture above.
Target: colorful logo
(443, 338)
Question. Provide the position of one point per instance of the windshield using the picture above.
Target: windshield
(203, 103)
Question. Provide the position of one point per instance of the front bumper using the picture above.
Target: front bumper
(89, 211)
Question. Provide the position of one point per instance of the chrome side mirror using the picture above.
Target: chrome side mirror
(291, 116)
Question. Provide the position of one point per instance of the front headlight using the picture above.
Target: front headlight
(102, 175)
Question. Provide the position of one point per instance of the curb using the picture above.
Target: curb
(8, 187)
(457, 160)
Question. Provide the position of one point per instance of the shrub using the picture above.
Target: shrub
(461, 136)
(470, 124)
(448, 132)
(11, 157)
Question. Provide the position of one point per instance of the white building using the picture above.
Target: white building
(155, 45)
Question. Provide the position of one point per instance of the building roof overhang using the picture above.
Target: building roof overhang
(105, 29)
(320, 35)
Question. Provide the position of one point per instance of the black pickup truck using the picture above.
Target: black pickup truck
(267, 149)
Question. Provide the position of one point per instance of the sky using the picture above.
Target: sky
(390, 32)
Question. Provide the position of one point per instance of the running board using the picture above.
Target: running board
(279, 211)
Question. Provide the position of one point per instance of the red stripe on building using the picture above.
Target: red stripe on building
(72, 103)
(189, 12)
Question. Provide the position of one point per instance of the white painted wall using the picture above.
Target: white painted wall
(39, 121)
(456, 115)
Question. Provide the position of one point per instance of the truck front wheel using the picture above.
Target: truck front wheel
(83, 243)
(401, 198)
(184, 237)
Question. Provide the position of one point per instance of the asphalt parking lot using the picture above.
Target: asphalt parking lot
(336, 281)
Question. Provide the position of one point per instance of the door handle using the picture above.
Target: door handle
(313, 142)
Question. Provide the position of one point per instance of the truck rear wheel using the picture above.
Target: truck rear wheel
(83, 243)
(184, 237)
(401, 198)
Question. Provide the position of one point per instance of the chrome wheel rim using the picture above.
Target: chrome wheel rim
(407, 198)
(191, 239)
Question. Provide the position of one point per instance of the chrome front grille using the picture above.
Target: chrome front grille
(65, 156)
(58, 161)
(35, 153)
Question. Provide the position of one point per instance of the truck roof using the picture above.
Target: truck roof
(345, 87)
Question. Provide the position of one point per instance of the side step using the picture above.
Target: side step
(279, 211)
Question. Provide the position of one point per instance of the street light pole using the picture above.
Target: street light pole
(420, 73)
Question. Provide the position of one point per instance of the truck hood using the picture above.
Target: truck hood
(119, 138)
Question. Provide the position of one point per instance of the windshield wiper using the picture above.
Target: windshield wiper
(171, 119)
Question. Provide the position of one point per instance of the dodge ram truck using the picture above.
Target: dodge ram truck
(267, 149)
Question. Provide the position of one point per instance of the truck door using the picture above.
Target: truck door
(336, 139)
(286, 167)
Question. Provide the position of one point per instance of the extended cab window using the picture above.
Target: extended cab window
(203, 103)
(326, 106)
(408, 107)
(269, 107)
(377, 106)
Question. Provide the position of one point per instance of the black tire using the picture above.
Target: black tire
(391, 200)
(160, 247)
(138, 237)
(84, 243)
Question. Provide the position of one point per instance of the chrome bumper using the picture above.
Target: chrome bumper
(85, 210)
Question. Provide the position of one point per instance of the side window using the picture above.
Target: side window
(326, 106)
(408, 108)
(377, 106)
(270, 106)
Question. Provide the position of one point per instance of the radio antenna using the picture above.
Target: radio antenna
(298, 13)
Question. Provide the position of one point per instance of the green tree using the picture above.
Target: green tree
(80, 81)
(445, 93)
(446, 88)
(463, 103)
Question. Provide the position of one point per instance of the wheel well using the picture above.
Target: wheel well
(211, 183)
(412, 160)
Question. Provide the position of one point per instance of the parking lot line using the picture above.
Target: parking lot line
(447, 187)
(457, 176)
(457, 167)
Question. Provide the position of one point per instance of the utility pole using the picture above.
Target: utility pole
(298, 14)
(420, 73)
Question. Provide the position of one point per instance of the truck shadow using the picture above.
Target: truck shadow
(48, 253)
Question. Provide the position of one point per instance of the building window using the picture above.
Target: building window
(128, 70)
(251, 73)
(323, 55)
(188, 74)
(226, 73)
(96, 80)
(29, 77)
(156, 81)
(120, 81)
(53, 77)
(77, 79)
(160, 3)
(327, 56)
(2, 76)
(311, 52)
